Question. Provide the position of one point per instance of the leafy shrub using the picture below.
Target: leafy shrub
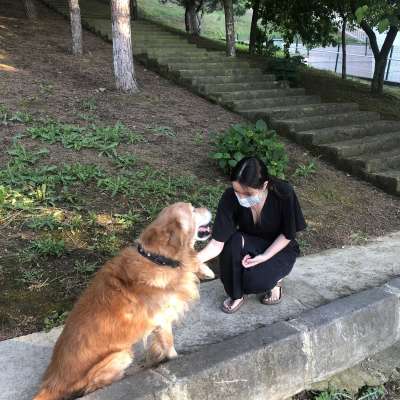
(55, 318)
(305, 170)
(250, 140)
(286, 68)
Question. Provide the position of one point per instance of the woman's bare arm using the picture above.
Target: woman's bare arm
(278, 244)
(212, 250)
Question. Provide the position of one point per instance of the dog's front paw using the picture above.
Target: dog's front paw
(172, 353)
(205, 272)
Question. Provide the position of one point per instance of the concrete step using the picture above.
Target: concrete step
(211, 72)
(388, 180)
(208, 64)
(243, 97)
(372, 162)
(196, 58)
(312, 107)
(355, 147)
(165, 46)
(159, 41)
(216, 88)
(168, 52)
(341, 133)
(291, 126)
(198, 80)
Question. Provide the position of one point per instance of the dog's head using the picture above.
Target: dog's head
(176, 228)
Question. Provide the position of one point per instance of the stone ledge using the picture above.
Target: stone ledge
(275, 361)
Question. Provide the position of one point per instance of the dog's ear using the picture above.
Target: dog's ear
(176, 235)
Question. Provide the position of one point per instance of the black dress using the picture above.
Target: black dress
(281, 214)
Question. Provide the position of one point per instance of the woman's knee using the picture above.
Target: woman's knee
(232, 248)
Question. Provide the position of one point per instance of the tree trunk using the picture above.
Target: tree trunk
(379, 75)
(187, 19)
(76, 26)
(254, 26)
(134, 10)
(380, 56)
(192, 18)
(344, 54)
(230, 28)
(122, 47)
(30, 9)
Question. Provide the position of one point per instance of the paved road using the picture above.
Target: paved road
(358, 62)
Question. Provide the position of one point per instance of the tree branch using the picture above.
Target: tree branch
(372, 38)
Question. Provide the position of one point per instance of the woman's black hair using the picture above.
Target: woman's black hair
(252, 172)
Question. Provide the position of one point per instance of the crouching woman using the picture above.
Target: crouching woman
(254, 234)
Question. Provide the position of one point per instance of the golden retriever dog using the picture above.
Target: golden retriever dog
(139, 292)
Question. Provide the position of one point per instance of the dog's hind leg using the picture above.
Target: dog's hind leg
(109, 369)
(162, 345)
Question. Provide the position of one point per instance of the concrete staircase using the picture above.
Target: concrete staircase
(355, 141)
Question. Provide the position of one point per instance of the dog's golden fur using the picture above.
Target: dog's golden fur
(129, 298)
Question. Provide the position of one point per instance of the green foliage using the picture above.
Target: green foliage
(7, 117)
(333, 394)
(312, 20)
(250, 140)
(85, 268)
(286, 69)
(127, 220)
(305, 170)
(365, 393)
(44, 222)
(372, 393)
(162, 130)
(40, 183)
(47, 246)
(55, 318)
(124, 160)
(102, 138)
(379, 13)
(115, 184)
(11, 199)
(23, 156)
(31, 276)
(106, 243)
(89, 104)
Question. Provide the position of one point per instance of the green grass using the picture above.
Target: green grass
(213, 24)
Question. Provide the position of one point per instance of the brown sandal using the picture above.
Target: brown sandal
(229, 310)
(267, 298)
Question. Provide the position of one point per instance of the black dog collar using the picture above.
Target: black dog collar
(157, 258)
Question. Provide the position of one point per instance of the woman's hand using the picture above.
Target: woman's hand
(249, 262)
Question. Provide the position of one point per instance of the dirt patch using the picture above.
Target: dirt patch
(39, 76)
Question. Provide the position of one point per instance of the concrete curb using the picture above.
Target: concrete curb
(275, 361)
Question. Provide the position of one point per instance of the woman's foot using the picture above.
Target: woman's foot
(230, 306)
(274, 296)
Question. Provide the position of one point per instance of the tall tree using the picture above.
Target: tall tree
(134, 10)
(344, 47)
(385, 16)
(122, 47)
(30, 9)
(229, 28)
(193, 16)
(76, 26)
(312, 20)
(255, 5)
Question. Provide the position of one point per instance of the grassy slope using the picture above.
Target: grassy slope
(173, 15)
(213, 24)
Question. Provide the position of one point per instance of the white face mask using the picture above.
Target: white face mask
(249, 201)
